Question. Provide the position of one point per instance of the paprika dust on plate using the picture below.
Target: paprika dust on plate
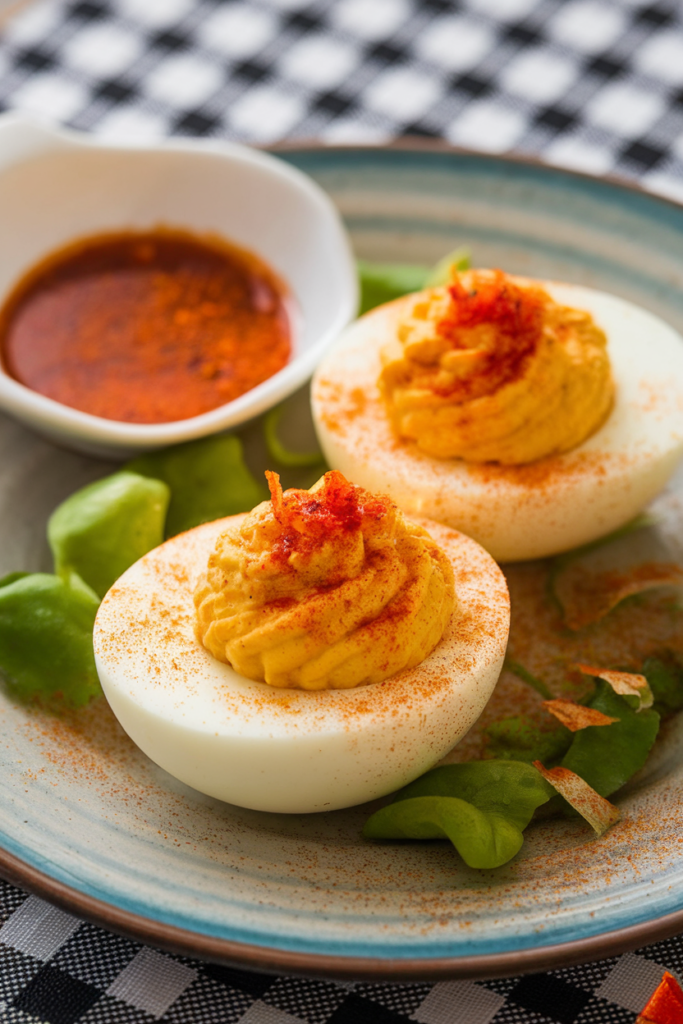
(146, 327)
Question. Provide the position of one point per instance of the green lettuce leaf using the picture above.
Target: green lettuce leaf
(207, 478)
(12, 577)
(607, 756)
(383, 282)
(482, 807)
(520, 739)
(100, 530)
(665, 676)
(279, 451)
(46, 648)
(441, 271)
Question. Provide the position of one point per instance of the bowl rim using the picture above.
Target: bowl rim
(234, 953)
(47, 414)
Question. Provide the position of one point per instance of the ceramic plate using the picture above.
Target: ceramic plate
(87, 821)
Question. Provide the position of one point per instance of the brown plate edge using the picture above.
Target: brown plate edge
(345, 968)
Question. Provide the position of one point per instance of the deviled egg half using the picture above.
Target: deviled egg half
(313, 654)
(533, 416)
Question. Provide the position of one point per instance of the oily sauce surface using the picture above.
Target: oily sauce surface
(146, 327)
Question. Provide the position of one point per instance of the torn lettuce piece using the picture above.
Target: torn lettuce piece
(46, 648)
(103, 528)
(482, 807)
(278, 451)
(665, 677)
(383, 282)
(598, 812)
(632, 686)
(520, 739)
(457, 259)
(576, 716)
(590, 581)
(100, 530)
(208, 480)
(12, 577)
(607, 757)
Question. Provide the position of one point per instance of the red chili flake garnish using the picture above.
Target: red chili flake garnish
(495, 299)
(515, 314)
(665, 1005)
(308, 518)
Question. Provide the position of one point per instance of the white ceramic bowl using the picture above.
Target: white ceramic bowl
(57, 186)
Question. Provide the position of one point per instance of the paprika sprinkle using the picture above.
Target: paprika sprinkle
(146, 326)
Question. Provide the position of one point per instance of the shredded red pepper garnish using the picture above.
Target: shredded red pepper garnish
(515, 314)
(665, 1005)
(494, 299)
(308, 519)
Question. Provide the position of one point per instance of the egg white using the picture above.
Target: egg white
(516, 512)
(290, 750)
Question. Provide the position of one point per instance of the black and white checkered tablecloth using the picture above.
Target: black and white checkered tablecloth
(592, 84)
(595, 85)
(56, 970)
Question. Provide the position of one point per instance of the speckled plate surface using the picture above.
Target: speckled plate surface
(88, 821)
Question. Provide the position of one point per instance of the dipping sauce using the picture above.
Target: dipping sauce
(146, 327)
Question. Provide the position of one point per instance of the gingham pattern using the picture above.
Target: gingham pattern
(592, 84)
(55, 970)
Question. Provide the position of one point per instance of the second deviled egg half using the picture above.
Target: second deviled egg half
(533, 416)
(315, 653)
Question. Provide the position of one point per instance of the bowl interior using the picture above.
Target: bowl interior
(50, 199)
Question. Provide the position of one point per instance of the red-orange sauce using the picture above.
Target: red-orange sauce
(146, 327)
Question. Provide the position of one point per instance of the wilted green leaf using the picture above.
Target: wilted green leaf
(665, 676)
(278, 451)
(482, 807)
(383, 282)
(519, 739)
(458, 259)
(607, 757)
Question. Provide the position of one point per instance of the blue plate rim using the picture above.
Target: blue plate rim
(513, 158)
(264, 958)
(344, 968)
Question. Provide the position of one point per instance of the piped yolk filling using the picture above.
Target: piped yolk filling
(327, 588)
(490, 369)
